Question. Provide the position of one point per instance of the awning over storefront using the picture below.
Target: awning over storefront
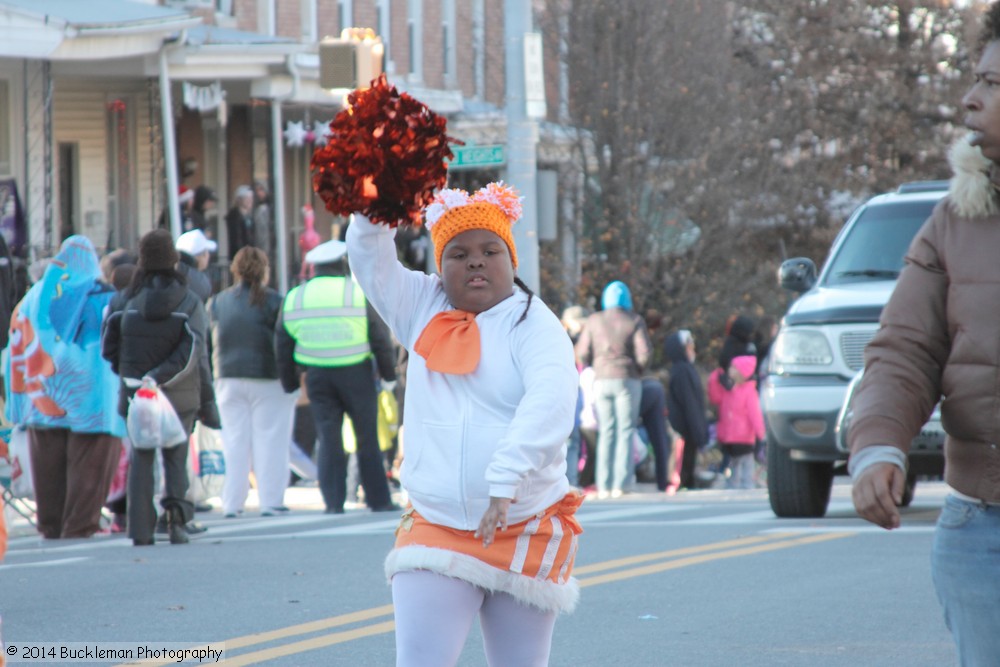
(214, 53)
(86, 30)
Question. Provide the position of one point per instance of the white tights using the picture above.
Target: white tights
(434, 614)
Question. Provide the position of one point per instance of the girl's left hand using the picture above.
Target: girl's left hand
(495, 514)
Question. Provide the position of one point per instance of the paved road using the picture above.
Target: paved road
(703, 578)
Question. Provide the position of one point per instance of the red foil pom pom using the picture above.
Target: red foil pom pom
(385, 156)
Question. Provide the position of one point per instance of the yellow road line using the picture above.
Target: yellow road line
(293, 630)
(679, 558)
(308, 644)
(313, 626)
(701, 548)
(705, 558)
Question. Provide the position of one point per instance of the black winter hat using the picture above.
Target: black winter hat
(203, 194)
(157, 251)
(742, 328)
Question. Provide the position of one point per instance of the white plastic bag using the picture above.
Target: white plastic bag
(151, 420)
(21, 483)
(206, 464)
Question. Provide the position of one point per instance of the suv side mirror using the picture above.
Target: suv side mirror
(797, 274)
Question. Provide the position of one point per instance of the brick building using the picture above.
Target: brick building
(131, 99)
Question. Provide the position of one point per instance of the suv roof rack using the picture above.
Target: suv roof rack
(922, 186)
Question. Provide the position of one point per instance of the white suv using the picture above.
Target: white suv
(820, 349)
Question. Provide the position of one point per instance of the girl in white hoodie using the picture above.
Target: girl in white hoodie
(491, 395)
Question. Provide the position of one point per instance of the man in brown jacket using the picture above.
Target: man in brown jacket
(940, 337)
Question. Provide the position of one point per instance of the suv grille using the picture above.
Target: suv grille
(852, 347)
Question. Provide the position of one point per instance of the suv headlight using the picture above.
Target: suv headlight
(800, 348)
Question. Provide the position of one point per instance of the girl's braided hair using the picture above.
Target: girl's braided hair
(520, 283)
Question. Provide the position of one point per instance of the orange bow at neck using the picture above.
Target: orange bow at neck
(450, 343)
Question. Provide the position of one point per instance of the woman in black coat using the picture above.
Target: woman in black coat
(258, 411)
(686, 402)
(157, 328)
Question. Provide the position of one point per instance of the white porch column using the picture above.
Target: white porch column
(280, 223)
(169, 146)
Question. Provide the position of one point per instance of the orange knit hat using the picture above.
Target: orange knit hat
(495, 207)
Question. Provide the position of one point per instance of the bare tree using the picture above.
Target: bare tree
(752, 127)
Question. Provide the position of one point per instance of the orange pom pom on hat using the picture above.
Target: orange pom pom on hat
(495, 207)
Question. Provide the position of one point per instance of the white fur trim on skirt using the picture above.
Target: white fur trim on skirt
(542, 594)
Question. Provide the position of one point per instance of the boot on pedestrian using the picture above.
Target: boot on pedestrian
(175, 526)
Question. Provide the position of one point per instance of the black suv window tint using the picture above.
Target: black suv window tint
(874, 246)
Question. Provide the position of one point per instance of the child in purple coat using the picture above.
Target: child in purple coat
(741, 422)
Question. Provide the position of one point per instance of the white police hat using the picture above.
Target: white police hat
(195, 242)
(326, 253)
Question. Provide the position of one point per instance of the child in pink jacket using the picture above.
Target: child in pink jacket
(741, 422)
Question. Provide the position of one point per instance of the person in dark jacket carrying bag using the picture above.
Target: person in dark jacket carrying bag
(157, 328)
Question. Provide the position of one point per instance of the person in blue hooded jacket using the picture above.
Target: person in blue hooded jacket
(615, 342)
(60, 388)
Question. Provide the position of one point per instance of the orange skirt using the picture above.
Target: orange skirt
(531, 560)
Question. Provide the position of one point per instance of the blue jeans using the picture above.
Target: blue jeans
(573, 457)
(617, 404)
(653, 408)
(965, 565)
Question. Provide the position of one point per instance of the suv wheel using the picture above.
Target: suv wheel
(797, 489)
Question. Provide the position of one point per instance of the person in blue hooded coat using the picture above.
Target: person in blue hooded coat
(615, 342)
(60, 388)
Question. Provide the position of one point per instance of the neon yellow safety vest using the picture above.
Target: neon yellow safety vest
(326, 316)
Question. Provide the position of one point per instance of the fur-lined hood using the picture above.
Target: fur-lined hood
(970, 191)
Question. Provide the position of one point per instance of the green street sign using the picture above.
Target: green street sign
(477, 157)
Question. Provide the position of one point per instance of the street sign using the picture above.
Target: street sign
(477, 157)
(534, 76)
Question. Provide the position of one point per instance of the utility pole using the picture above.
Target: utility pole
(522, 139)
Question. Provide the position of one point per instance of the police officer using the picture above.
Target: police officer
(328, 327)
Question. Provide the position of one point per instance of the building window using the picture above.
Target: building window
(448, 46)
(444, 50)
(479, 48)
(309, 18)
(384, 27)
(120, 117)
(415, 20)
(345, 14)
(69, 186)
(267, 18)
(5, 166)
(192, 4)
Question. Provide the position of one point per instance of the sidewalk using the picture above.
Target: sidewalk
(305, 497)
